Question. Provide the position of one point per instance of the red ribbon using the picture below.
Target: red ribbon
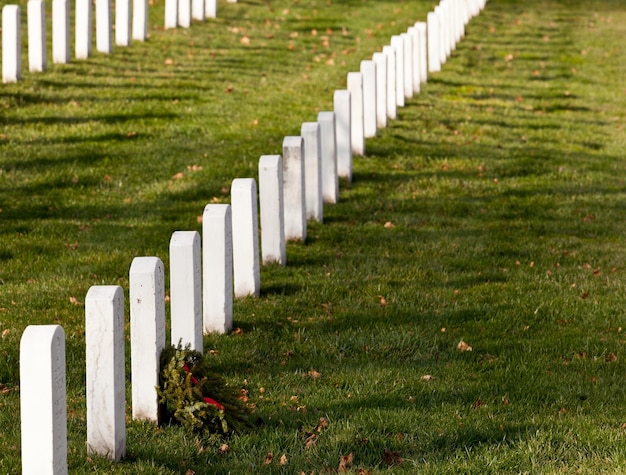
(207, 400)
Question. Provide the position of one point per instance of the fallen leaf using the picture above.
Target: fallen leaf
(611, 358)
(169, 61)
(283, 460)
(323, 424)
(382, 301)
(389, 225)
(269, 458)
(190, 472)
(392, 457)
(224, 449)
(478, 403)
(310, 441)
(427, 377)
(345, 462)
(462, 346)
(178, 176)
(245, 40)
(5, 333)
(314, 374)
(74, 301)
(237, 331)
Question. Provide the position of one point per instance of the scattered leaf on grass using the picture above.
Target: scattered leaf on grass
(245, 40)
(462, 346)
(611, 358)
(5, 333)
(427, 377)
(478, 403)
(392, 457)
(389, 225)
(224, 448)
(74, 301)
(345, 462)
(269, 458)
(382, 300)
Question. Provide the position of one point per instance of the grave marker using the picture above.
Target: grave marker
(123, 22)
(210, 9)
(434, 62)
(273, 247)
(147, 334)
(423, 50)
(140, 20)
(197, 10)
(343, 128)
(245, 215)
(105, 376)
(311, 137)
(330, 171)
(11, 44)
(415, 59)
(171, 14)
(368, 73)
(408, 64)
(84, 27)
(186, 290)
(37, 51)
(60, 31)
(184, 13)
(43, 399)
(294, 188)
(355, 86)
(217, 268)
(381, 89)
(104, 42)
(392, 106)
(398, 43)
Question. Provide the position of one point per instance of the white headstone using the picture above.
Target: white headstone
(408, 65)
(342, 105)
(43, 400)
(123, 22)
(355, 86)
(442, 34)
(245, 215)
(368, 71)
(381, 89)
(423, 50)
(197, 10)
(83, 27)
(392, 106)
(184, 13)
(11, 44)
(310, 132)
(294, 190)
(415, 59)
(273, 247)
(104, 41)
(60, 31)
(210, 8)
(140, 20)
(105, 376)
(217, 268)
(328, 149)
(434, 61)
(147, 334)
(186, 290)
(398, 43)
(171, 14)
(37, 51)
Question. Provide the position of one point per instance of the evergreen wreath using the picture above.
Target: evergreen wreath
(196, 398)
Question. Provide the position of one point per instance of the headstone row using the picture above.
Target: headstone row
(207, 272)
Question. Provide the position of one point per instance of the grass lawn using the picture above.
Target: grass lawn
(491, 212)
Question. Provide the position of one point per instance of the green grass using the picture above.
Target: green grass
(492, 211)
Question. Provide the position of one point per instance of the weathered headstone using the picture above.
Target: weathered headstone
(398, 43)
(273, 247)
(37, 51)
(423, 50)
(43, 399)
(123, 22)
(368, 73)
(105, 376)
(434, 61)
(392, 106)
(330, 170)
(245, 215)
(171, 14)
(342, 105)
(197, 10)
(408, 65)
(381, 89)
(217, 268)
(104, 41)
(84, 29)
(310, 132)
(186, 290)
(147, 334)
(355, 86)
(184, 13)
(294, 190)
(11, 44)
(140, 20)
(210, 8)
(60, 31)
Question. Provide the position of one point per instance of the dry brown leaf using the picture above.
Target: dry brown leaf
(178, 176)
(283, 460)
(345, 462)
(314, 374)
(427, 377)
(269, 458)
(74, 301)
(389, 225)
(611, 358)
(224, 448)
(392, 457)
(5, 333)
(462, 346)
(382, 300)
